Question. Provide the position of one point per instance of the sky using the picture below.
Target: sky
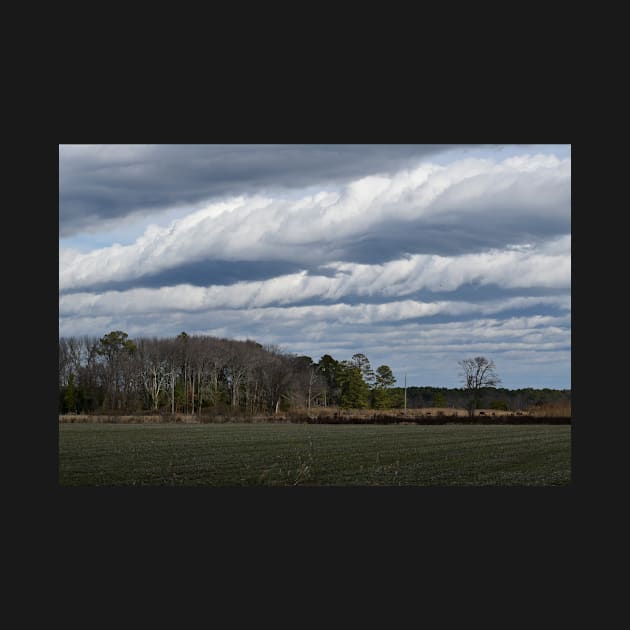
(417, 256)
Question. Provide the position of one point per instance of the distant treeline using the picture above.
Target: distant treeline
(496, 398)
(194, 374)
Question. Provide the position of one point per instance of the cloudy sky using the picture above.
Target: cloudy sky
(415, 255)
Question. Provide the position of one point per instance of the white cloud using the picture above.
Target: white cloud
(265, 228)
(337, 305)
(429, 352)
(514, 268)
(191, 299)
(548, 265)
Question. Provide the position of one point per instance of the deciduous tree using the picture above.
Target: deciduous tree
(477, 373)
(116, 349)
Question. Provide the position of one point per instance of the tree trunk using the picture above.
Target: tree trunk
(192, 396)
(185, 388)
(172, 390)
(471, 408)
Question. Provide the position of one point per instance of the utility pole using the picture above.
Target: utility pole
(405, 393)
(172, 389)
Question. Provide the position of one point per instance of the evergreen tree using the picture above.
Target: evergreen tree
(439, 400)
(70, 395)
(355, 393)
(330, 370)
(384, 379)
(363, 363)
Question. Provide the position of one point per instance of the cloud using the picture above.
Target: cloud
(416, 259)
(100, 183)
(473, 195)
(186, 299)
(515, 268)
(533, 350)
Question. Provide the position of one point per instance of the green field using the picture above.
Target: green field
(301, 454)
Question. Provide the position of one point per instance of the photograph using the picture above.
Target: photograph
(314, 315)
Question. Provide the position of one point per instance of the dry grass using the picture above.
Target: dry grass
(561, 409)
(120, 419)
(178, 418)
(315, 412)
(322, 414)
(330, 412)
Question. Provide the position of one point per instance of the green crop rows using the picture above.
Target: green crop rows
(300, 454)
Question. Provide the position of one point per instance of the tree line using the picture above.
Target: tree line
(496, 398)
(196, 374)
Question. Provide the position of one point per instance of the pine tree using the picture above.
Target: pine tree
(355, 393)
(70, 395)
(384, 379)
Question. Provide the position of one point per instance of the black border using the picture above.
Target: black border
(292, 518)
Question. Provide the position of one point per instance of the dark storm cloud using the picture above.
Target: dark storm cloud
(100, 183)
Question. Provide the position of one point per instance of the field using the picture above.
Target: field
(311, 454)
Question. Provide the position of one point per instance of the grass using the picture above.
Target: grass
(301, 454)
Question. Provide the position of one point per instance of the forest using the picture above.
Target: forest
(196, 374)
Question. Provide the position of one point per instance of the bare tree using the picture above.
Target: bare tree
(235, 371)
(478, 373)
(315, 385)
(306, 384)
(276, 377)
(116, 350)
(217, 353)
(154, 369)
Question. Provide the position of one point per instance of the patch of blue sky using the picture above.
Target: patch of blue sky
(123, 231)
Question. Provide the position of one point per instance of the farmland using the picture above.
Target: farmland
(313, 455)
